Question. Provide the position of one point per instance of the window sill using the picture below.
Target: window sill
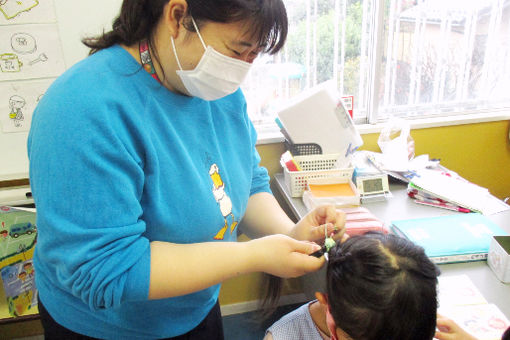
(269, 135)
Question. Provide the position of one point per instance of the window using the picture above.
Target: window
(410, 58)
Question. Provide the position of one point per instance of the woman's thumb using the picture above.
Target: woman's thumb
(306, 247)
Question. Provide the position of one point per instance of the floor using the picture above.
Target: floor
(244, 326)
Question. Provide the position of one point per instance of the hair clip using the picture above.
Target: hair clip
(320, 252)
(329, 243)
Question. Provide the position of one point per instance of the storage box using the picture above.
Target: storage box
(499, 257)
(313, 166)
(351, 198)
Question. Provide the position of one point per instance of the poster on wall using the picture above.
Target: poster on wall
(30, 51)
(15, 12)
(31, 57)
(18, 101)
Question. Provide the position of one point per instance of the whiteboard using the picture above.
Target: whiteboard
(74, 20)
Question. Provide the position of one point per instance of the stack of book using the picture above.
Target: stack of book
(446, 189)
(423, 197)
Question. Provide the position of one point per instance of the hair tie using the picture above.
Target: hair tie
(339, 256)
(342, 257)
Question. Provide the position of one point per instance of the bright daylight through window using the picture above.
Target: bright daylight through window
(411, 58)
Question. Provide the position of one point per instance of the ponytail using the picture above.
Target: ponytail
(136, 21)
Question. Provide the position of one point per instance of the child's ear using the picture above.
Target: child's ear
(322, 298)
(335, 332)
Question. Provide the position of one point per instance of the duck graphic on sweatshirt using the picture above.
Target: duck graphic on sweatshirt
(223, 201)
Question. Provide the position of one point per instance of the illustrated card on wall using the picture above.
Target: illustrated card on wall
(18, 101)
(30, 51)
(15, 12)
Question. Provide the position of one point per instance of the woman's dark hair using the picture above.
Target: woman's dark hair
(138, 19)
(381, 286)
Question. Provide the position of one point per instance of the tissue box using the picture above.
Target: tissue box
(499, 257)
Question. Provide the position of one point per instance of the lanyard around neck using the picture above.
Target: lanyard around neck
(145, 58)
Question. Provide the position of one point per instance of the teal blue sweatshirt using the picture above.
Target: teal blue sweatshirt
(118, 161)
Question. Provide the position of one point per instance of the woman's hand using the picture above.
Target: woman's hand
(447, 329)
(284, 256)
(311, 227)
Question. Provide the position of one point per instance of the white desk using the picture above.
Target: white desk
(400, 206)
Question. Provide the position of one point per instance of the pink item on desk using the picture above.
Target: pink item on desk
(443, 205)
(360, 220)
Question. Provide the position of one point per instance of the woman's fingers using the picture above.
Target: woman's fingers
(284, 256)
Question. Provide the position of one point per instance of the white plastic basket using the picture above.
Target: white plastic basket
(313, 166)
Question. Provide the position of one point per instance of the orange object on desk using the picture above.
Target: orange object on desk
(331, 190)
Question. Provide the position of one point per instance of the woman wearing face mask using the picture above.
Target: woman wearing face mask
(143, 168)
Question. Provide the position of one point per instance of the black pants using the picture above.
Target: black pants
(211, 328)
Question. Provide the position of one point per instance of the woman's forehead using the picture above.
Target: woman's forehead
(239, 33)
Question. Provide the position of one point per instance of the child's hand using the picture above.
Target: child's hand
(447, 329)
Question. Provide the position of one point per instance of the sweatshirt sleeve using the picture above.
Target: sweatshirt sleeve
(87, 181)
(260, 177)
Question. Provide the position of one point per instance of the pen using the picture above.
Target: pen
(429, 199)
(444, 206)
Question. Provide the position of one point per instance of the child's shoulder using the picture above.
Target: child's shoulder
(296, 325)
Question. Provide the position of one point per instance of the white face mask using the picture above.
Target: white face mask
(215, 76)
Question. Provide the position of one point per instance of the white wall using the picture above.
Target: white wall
(78, 19)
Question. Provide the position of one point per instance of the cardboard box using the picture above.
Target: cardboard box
(499, 257)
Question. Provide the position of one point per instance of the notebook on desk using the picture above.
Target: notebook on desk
(452, 238)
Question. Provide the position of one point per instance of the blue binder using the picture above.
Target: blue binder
(451, 238)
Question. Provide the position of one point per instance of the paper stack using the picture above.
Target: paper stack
(446, 189)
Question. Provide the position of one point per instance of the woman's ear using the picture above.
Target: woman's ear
(173, 15)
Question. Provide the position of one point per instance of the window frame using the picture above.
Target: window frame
(372, 123)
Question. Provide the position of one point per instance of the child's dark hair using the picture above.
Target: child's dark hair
(506, 334)
(381, 286)
(267, 21)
